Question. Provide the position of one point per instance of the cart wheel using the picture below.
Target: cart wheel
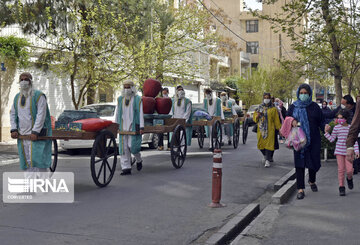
(103, 158)
(178, 146)
(201, 136)
(236, 135)
(245, 131)
(54, 156)
(216, 135)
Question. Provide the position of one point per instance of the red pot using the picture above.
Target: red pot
(163, 105)
(151, 88)
(148, 105)
(93, 124)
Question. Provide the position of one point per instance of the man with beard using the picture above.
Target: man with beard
(227, 128)
(30, 115)
(181, 108)
(130, 117)
(213, 107)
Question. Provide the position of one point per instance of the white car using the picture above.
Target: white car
(105, 111)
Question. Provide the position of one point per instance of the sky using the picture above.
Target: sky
(253, 4)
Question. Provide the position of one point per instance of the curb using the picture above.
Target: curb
(285, 192)
(281, 182)
(8, 162)
(235, 225)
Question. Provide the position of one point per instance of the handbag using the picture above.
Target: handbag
(254, 129)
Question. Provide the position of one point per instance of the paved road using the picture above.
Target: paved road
(159, 205)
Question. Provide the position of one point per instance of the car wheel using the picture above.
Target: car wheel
(154, 141)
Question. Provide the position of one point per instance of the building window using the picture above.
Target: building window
(102, 97)
(252, 47)
(252, 26)
(254, 65)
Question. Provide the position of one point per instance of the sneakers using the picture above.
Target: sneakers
(139, 166)
(342, 191)
(126, 172)
(160, 148)
(350, 183)
(267, 164)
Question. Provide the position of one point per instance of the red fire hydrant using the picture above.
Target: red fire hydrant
(216, 180)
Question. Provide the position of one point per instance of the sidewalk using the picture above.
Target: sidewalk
(8, 153)
(321, 218)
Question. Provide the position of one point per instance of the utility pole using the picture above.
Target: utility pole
(280, 44)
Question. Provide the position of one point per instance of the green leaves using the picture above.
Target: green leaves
(14, 48)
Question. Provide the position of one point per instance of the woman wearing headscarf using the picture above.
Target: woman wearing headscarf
(267, 119)
(308, 114)
(282, 114)
(326, 111)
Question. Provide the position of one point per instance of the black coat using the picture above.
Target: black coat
(326, 114)
(312, 151)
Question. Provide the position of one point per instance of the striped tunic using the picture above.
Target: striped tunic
(341, 132)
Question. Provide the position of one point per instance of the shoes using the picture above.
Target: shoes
(229, 142)
(313, 187)
(342, 191)
(271, 160)
(160, 148)
(350, 183)
(139, 166)
(267, 164)
(300, 195)
(126, 172)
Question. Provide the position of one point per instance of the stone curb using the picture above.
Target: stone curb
(281, 182)
(285, 192)
(8, 162)
(235, 225)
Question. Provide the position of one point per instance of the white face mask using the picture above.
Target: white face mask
(24, 85)
(343, 106)
(208, 96)
(128, 91)
(223, 98)
(266, 101)
(165, 95)
(181, 94)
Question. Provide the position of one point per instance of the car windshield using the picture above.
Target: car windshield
(253, 108)
(101, 110)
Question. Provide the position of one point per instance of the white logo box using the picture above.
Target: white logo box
(38, 187)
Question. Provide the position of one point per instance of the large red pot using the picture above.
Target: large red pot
(163, 105)
(93, 124)
(151, 88)
(148, 105)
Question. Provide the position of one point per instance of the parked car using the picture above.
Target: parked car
(250, 114)
(105, 111)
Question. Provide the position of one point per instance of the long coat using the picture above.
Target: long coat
(273, 124)
(312, 152)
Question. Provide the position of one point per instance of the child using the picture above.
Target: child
(340, 132)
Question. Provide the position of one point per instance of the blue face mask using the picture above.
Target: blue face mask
(304, 97)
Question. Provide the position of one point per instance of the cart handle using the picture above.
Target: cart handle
(128, 132)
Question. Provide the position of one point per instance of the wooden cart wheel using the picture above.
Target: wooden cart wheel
(236, 134)
(178, 146)
(216, 135)
(245, 131)
(54, 156)
(201, 136)
(103, 158)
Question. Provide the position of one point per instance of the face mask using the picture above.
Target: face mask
(324, 106)
(127, 91)
(304, 97)
(208, 96)
(266, 101)
(341, 121)
(343, 106)
(165, 95)
(24, 85)
(276, 103)
(181, 94)
(223, 98)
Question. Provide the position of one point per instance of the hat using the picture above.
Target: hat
(223, 92)
(179, 86)
(26, 74)
(128, 82)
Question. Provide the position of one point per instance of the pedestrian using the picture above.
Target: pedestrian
(165, 94)
(267, 119)
(347, 102)
(325, 111)
(30, 115)
(181, 108)
(227, 128)
(308, 114)
(353, 136)
(212, 105)
(340, 132)
(130, 117)
(282, 114)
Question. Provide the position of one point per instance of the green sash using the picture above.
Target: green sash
(40, 149)
(135, 139)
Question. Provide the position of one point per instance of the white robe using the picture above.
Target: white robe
(179, 111)
(127, 120)
(212, 112)
(25, 123)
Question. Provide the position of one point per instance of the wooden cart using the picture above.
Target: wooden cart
(216, 132)
(103, 154)
(178, 147)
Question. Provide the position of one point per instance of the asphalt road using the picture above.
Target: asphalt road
(159, 205)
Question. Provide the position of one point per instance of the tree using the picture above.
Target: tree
(323, 40)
